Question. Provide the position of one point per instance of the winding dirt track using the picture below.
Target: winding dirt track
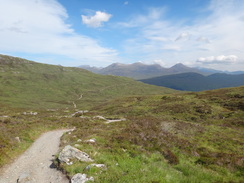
(34, 165)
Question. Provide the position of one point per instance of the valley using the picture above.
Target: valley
(139, 132)
(197, 82)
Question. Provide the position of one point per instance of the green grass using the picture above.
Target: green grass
(180, 137)
(202, 131)
(25, 83)
(13, 123)
(134, 151)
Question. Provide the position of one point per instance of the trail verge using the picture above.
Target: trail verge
(35, 165)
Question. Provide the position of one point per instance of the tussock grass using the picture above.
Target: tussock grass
(181, 137)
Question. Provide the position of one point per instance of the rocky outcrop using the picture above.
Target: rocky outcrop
(81, 178)
(69, 153)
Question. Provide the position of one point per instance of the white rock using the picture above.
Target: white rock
(30, 113)
(84, 117)
(4, 116)
(91, 141)
(99, 117)
(115, 120)
(17, 139)
(79, 113)
(70, 152)
(81, 178)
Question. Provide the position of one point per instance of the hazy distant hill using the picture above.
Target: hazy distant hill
(28, 84)
(213, 71)
(141, 71)
(197, 82)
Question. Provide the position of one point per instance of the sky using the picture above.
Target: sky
(197, 33)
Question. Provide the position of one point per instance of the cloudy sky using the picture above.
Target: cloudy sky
(204, 33)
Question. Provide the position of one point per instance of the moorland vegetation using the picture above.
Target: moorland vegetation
(168, 136)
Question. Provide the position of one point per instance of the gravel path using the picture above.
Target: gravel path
(34, 165)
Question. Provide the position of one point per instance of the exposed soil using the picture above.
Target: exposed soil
(35, 165)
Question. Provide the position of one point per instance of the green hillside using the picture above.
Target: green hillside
(25, 83)
(191, 137)
(164, 136)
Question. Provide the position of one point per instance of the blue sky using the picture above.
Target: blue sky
(203, 33)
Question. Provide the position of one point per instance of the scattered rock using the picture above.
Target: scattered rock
(99, 117)
(30, 113)
(115, 120)
(80, 97)
(84, 117)
(79, 140)
(79, 113)
(4, 116)
(81, 178)
(70, 152)
(91, 141)
(17, 139)
(74, 105)
(52, 110)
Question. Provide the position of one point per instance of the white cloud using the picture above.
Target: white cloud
(183, 36)
(221, 59)
(203, 39)
(157, 38)
(153, 14)
(217, 29)
(159, 62)
(171, 47)
(39, 27)
(96, 20)
(126, 3)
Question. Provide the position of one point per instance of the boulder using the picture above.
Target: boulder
(70, 152)
(81, 178)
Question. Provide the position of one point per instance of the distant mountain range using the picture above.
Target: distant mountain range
(197, 82)
(141, 71)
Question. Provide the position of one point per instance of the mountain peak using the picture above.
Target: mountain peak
(179, 65)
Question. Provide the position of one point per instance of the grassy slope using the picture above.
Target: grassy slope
(192, 137)
(29, 86)
(24, 83)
